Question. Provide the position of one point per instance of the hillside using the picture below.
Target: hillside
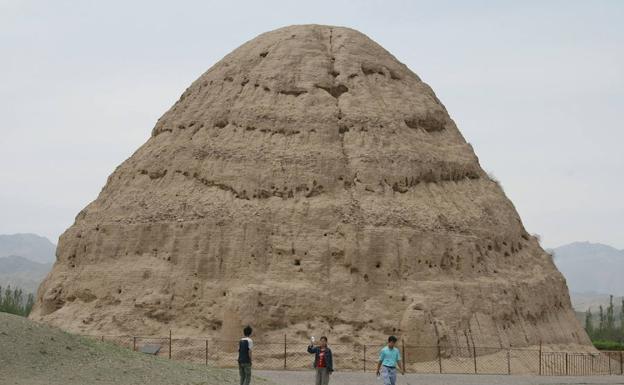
(591, 267)
(22, 273)
(30, 246)
(34, 354)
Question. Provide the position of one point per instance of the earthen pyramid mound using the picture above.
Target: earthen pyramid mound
(307, 183)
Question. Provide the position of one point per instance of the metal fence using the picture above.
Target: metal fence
(293, 355)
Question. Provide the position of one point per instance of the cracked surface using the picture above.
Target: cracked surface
(308, 183)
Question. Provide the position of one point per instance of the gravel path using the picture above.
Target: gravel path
(350, 378)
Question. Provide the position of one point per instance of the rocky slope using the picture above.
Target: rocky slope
(308, 183)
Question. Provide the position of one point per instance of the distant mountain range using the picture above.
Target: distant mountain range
(30, 246)
(19, 272)
(591, 269)
(25, 260)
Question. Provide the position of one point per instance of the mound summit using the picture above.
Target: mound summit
(308, 183)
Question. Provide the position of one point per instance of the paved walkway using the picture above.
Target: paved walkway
(355, 378)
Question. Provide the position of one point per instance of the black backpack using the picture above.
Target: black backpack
(243, 352)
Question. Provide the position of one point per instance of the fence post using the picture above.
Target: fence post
(169, 343)
(284, 351)
(609, 359)
(540, 358)
(102, 338)
(364, 358)
(474, 355)
(134, 344)
(508, 361)
(621, 364)
(439, 357)
(592, 364)
(206, 352)
(566, 356)
(404, 355)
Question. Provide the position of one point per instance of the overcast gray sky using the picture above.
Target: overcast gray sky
(536, 87)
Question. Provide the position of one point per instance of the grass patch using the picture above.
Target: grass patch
(608, 345)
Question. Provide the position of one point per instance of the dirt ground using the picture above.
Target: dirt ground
(34, 354)
(354, 378)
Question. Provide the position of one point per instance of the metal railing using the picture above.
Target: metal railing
(293, 355)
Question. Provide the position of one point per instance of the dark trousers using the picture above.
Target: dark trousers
(245, 373)
(322, 376)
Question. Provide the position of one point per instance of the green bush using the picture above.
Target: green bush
(608, 345)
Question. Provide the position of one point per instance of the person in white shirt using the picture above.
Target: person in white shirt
(245, 345)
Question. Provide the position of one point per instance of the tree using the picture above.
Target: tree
(7, 301)
(622, 321)
(610, 320)
(30, 302)
(589, 325)
(17, 301)
(14, 301)
(601, 322)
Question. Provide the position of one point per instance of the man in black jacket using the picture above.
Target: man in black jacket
(323, 361)
(244, 356)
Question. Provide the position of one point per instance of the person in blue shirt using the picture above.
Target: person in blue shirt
(389, 360)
